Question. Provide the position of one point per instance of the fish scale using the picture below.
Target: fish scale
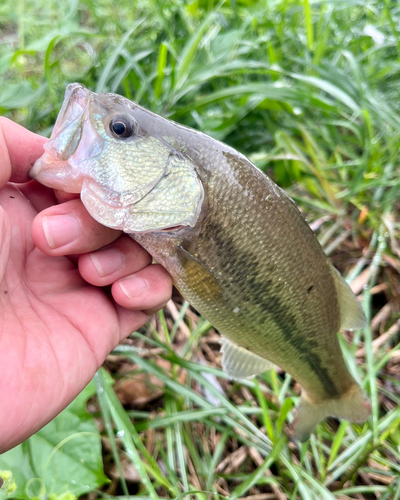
(258, 286)
(235, 244)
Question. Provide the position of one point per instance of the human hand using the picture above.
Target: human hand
(56, 324)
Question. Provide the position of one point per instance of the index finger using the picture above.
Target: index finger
(19, 149)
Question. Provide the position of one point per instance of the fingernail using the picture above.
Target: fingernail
(60, 229)
(107, 261)
(133, 287)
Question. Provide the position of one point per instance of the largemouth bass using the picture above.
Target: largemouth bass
(235, 244)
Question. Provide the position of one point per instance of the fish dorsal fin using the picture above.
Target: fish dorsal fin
(239, 363)
(351, 312)
(196, 272)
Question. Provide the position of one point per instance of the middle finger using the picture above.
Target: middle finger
(117, 260)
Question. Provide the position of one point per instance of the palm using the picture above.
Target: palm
(55, 328)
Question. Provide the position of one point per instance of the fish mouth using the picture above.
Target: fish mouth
(55, 168)
(52, 173)
(76, 100)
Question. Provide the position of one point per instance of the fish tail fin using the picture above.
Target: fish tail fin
(353, 406)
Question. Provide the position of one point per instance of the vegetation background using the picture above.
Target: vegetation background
(309, 91)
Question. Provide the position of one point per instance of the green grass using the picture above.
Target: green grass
(309, 91)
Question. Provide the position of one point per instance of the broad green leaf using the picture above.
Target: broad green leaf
(63, 457)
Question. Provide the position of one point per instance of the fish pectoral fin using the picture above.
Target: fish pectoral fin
(351, 312)
(353, 406)
(239, 363)
(196, 272)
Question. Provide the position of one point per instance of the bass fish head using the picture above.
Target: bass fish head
(129, 177)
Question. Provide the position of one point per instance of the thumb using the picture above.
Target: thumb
(19, 149)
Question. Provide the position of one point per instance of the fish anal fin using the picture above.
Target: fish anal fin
(196, 272)
(239, 363)
(351, 312)
(353, 406)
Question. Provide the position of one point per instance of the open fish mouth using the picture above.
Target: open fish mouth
(69, 143)
(76, 102)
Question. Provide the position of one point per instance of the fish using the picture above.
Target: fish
(236, 245)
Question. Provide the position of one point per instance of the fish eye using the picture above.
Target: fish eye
(122, 127)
